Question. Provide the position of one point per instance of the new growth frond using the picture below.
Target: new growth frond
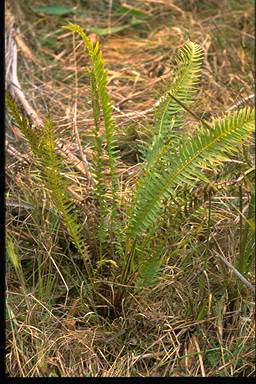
(101, 103)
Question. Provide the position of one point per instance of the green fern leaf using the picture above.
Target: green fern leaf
(44, 148)
(101, 102)
(169, 114)
(57, 185)
(208, 148)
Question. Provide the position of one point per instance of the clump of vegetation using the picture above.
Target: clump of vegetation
(172, 162)
(101, 257)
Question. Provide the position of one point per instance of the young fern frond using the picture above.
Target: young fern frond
(207, 148)
(101, 101)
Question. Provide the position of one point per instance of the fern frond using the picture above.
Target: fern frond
(101, 101)
(188, 62)
(44, 148)
(57, 185)
(169, 114)
(24, 124)
(207, 148)
(99, 88)
(168, 121)
(169, 117)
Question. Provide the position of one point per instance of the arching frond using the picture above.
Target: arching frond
(169, 114)
(183, 87)
(208, 148)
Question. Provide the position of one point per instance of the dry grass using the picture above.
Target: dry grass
(197, 321)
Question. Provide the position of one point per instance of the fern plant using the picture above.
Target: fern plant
(206, 150)
(171, 160)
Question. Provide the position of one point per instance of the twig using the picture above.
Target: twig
(77, 163)
(233, 269)
(14, 87)
(11, 61)
(241, 102)
(12, 151)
